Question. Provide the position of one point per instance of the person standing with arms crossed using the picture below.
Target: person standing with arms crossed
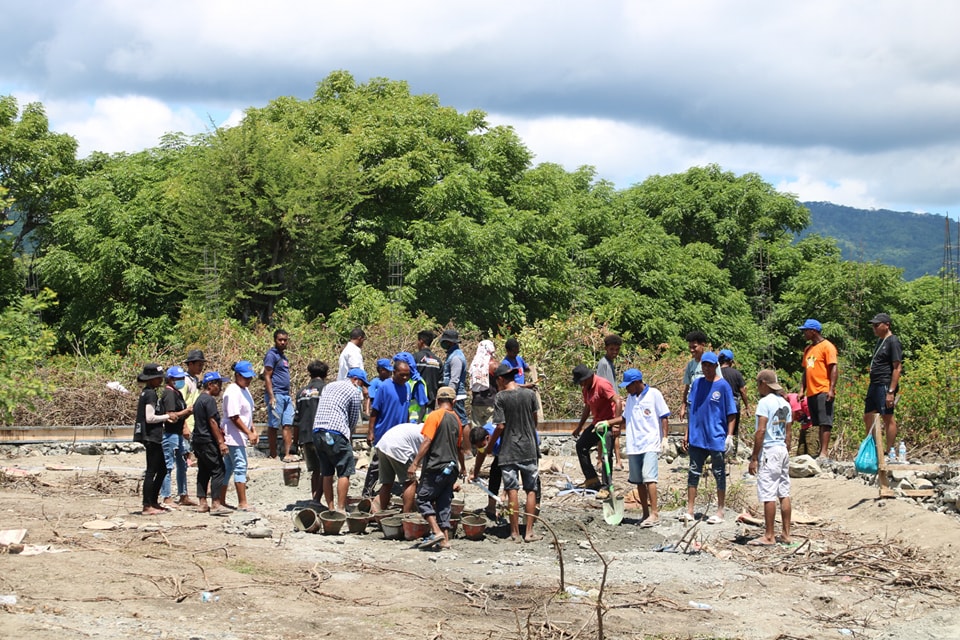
(819, 383)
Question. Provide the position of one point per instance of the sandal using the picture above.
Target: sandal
(715, 520)
(686, 517)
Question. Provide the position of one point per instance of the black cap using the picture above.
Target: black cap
(581, 372)
(881, 318)
(450, 335)
(195, 355)
(505, 370)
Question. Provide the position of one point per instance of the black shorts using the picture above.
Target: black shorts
(309, 452)
(821, 410)
(876, 400)
(337, 458)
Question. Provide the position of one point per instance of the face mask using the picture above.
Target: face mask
(179, 384)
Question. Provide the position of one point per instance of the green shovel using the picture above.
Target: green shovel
(612, 505)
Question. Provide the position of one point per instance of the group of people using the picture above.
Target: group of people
(418, 422)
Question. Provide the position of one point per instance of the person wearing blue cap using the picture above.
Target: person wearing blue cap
(709, 433)
(209, 445)
(646, 418)
(735, 379)
(384, 371)
(338, 413)
(174, 433)
(236, 422)
(819, 384)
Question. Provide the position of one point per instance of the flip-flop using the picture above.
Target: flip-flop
(430, 541)
(756, 542)
(714, 520)
(647, 524)
(686, 517)
(789, 545)
(222, 511)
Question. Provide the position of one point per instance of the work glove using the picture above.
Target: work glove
(728, 444)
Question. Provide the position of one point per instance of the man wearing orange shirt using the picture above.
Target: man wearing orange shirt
(819, 382)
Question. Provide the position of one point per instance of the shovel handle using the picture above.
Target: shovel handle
(480, 484)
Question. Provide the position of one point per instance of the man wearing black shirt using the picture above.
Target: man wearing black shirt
(885, 367)
(428, 364)
(209, 445)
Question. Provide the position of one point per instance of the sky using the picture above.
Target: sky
(854, 102)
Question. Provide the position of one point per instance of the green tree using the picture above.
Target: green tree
(25, 343)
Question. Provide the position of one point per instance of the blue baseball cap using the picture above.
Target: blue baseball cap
(359, 374)
(709, 357)
(630, 376)
(811, 324)
(245, 369)
(176, 372)
(211, 376)
(385, 363)
(726, 354)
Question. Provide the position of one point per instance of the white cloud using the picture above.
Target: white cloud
(121, 123)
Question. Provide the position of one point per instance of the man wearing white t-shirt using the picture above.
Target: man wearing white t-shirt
(646, 417)
(397, 449)
(770, 460)
(351, 357)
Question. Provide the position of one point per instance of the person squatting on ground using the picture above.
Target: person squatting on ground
(819, 385)
(770, 458)
(646, 423)
(515, 416)
(607, 369)
(303, 417)
(599, 400)
(338, 413)
(149, 431)
(238, 431)
(739, 386)
(709, 433)
(483, 384)
(885, 369)
(455, 371)
(389, 408)
(209, 445)
(276, 379)
(396, 450)
(441, 454)
(174, 434)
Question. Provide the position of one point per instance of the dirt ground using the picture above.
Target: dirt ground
(864, 568)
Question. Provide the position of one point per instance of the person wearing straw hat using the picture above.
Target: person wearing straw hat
(770, 458)
(148, 430)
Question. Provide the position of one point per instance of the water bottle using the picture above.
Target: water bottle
(450, 468)
(892, 456)
(328, 438)
(903, 452)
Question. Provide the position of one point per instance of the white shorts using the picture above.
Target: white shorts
(773, 474)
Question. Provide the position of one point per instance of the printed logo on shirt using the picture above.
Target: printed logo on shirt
(715, 396)
(811, 362)
(646, 412)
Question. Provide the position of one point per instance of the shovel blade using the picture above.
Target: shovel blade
(613, 510)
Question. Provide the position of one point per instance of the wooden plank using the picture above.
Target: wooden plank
(918, 493)
(881, 458)
(915, 467)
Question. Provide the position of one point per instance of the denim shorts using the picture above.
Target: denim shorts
(643, 467)
(527, 472)
(282, 414)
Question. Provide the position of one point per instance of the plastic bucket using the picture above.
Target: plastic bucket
(392, 527)
(357, 522)
(306, 520)
(474, 526)
(332, 522)
(291, 475)
(415, 527)
(456, 507)
(386, 513)
(454, 525)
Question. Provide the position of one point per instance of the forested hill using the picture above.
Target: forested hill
(910, 241)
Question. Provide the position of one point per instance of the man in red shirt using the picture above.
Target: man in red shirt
(600, 400)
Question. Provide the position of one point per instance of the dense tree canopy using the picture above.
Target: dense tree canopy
(366, 197)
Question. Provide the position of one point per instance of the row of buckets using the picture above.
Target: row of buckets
(394, 524)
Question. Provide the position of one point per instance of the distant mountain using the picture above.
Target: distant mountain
(911, 241)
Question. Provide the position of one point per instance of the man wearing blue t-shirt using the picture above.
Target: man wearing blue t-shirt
(276, 378)
(713, 412)
(514, 360)
(389, 408)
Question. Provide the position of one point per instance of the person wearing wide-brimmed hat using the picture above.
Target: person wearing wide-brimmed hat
(149, 431)
(455, 371)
